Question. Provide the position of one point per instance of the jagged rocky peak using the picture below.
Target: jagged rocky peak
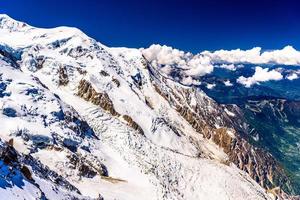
(111, 123)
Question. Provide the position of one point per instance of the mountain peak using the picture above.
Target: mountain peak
(96, 110)
(10, 24)
(5, 16)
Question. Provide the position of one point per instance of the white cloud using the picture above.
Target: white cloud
(228, 83)
(260, 75)
(168, 59)
(164, 55)
(233, 56)
(199, 66)
(188, 67)
(210, 86)
(188, 80)
(292, 76)
(231, 67)
(286, 56)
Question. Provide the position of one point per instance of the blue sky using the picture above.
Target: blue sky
(191, 25)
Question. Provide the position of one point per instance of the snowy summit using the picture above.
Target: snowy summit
(80, 120)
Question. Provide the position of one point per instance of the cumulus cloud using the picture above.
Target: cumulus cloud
(199, 66)
(168, 60)
(227, 83)
(187, 68)
(188, 80)
(210, 86)
(286, 56)
(233, 56)
(164, 55)
(292, 76)
(231, 67)
(260, 75)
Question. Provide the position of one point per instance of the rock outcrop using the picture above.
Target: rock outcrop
(87, 92)
(133, 124)
(259, 164)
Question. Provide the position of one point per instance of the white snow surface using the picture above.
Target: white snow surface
(157, 165)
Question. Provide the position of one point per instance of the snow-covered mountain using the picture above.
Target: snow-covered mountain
(80, 120)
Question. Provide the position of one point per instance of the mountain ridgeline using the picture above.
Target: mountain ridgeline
(80, 120)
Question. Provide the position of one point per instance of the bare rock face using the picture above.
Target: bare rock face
(9, 155)
(81, 71)
(87, 168)
(223, 139)
(116, 81)
(40, 62)
(204, 116)
(104, 73)
(260, 165)
(20, 162)
(42, 171)
(100, 197)
(63, 76)
(149, 103)
(7, 52)
(26, 172)
(86, 171)
(87, 92)
(133, 124)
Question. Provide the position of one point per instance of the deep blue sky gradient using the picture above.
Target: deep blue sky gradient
(191, 25)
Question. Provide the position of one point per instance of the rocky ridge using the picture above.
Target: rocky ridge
(98, 109)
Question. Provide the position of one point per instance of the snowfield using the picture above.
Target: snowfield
(139, 149)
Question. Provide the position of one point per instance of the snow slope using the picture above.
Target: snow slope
(93, 115)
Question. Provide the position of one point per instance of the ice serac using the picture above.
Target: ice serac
(106, 123)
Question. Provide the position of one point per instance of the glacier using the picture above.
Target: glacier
(95, 122)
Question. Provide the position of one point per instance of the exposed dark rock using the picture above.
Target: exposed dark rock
(133, 124)
(10, 142)
(81, 71)
(9, 155)
(148, 103)
(116, 81)
(26, 172)
(165, 96)
(40, 62)
(259, 164)
(10, 55)
(63, 76)
(104, 73)
(77, 52)
(77, 124)
(224, 140)
(20, 162)
(100, 197)
(87, 168)
(87, 92)
(86, 171)
(163, 122)
(44, 172)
